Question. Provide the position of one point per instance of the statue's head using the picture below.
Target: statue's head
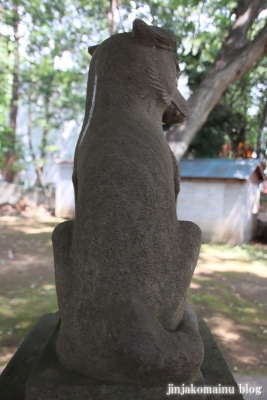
(164, 75)
(161, 70)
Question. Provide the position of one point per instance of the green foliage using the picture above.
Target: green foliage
(54, 63)
(201, 28)
(4, 73)
(5, 94)
(202, 147)
(237, 118)
(7, 145)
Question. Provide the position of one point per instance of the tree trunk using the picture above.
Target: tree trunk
(45, 134)
(11, 154)
(261, 138)
(111, 17)
(38, 170)
(236, 56)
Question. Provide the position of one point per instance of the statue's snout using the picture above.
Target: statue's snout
(178, 111)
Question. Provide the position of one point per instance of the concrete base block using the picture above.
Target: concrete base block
(45, 379)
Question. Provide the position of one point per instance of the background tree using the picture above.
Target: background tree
(244, 44)
(234, 120)
(50, 74)
(53, 96)
(218, 43)
(14, 15)
(11, 18)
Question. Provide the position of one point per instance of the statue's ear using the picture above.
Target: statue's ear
(141, 29)
(92, 49)
(153, 36)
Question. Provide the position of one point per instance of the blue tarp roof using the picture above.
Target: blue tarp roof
(219, 168)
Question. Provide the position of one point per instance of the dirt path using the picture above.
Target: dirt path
(27, 287)
(229, 291)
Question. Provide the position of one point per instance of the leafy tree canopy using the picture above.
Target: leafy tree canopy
(50, 62)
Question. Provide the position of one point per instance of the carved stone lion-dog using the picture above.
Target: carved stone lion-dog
(124, 265)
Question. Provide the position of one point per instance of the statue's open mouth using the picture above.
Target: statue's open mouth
(178, 111)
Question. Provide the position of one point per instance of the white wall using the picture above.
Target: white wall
(202, 203)
(64, 138)
(12, 193)
(64, 203)
(232, 224)
(250, 209)
(223, 210)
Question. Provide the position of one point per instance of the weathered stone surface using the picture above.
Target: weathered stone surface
(50, 380)
(16, 373)
(124, 265)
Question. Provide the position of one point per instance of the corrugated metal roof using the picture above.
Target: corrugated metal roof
(220, 168)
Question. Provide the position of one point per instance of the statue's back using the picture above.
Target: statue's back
(123, 266)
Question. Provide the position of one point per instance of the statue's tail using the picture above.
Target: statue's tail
(150, 355)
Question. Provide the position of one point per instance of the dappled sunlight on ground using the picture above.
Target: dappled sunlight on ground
(217, 260)
(23, 220)
(6, 355)
(234, 345)
(223, 328)
(229, 290)
(194, 285)
(27, 283)
(30, 231)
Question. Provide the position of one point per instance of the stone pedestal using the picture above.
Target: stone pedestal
(34, 373)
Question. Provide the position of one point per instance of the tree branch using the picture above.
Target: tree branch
(228, 67)
(246, 13)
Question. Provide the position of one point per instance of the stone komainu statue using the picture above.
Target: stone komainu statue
(124, 265)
